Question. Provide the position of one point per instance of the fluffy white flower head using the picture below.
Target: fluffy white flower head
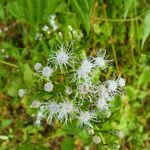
(101, 60)
(85, 89)
(103, 92)
(53, 108)
(62, 57)
(102, 104)
(85, 69)
(121, 82)
(48, 86)
(47, 71)
(85, 118)
(66, 108)
(112, 85)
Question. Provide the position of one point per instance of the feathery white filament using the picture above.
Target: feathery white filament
(62, 57)
(102, 104)
(86, 117)
(121, 82)
(85, 69)
(65, 109)
(101, 60)
(112, 85)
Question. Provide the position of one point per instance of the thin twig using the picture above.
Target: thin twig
(9, 64)
(119, 20)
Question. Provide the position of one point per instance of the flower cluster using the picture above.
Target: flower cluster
(81, 99)
(47, 29)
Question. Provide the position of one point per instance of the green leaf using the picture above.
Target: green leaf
(131, 92)
(12, 90)
(27, 74)
(144, 78)
(33, 12)
(72, 129)
(146, 28)
(127, 6)
(82, 10)
(67, 144)
(5, 123)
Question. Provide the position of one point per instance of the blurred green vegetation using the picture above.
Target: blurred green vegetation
(120, 26)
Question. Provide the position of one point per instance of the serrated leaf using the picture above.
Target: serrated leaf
(146, 28)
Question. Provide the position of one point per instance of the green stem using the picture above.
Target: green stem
(112, 44)
(9, 64)
(120, 20)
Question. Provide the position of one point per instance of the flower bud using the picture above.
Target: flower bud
(48, 86)
(96, 139)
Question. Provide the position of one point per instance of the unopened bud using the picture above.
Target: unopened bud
(96, 139)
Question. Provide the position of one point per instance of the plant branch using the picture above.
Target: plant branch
(9, 64)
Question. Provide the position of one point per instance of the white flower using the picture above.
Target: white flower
(52, 17)
(35, 104)
(37, 66)
(62, 57)
(121, 82)
(45, 28)
(96, 139)
(39, 117)
(52, 22)
(85, 69)
(101, 60)
(66, 108)
(55, 27)
(102, 104)
(4, 137)
(48, 86)
(51, 108)
(39, 36)
(86, 117)
(21, 92)
(112, 86)
(103, 92)
(85, 89)
(47, 71)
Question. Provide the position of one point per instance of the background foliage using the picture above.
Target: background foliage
(121, 26)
